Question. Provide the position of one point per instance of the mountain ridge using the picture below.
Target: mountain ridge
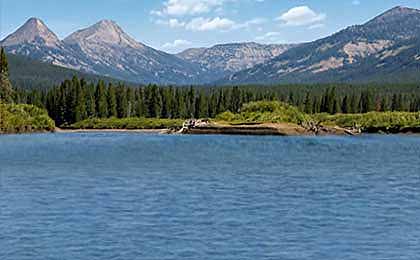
(224, 59)
(327, 59)
(105, 49)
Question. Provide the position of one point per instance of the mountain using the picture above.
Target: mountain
(385, 48)
(344, 56)
(224, 59)
(399, 63)
(35, 40)
(26, 73)
(103, 49)
(110, 51)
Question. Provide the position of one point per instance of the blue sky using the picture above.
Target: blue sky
(173, 25)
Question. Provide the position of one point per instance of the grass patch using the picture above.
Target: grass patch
(373, 122)
(265, 112)
(24, 119)
(128, 123)
(278, 112)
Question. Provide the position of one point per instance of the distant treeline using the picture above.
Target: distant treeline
(75, 100)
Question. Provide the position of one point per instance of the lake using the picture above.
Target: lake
(148, 196)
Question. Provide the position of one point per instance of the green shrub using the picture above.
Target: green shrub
(266, 112)
(24, 118)
(373, 121)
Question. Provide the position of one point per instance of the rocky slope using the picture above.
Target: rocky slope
(110, 51)
(224, 59)
(344, 56)
(103, 49)
(383, 49)
(35, 40)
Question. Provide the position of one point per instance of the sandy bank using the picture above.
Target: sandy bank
(151, 131)
(280, 129)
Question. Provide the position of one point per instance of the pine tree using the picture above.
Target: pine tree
(164, 111)
(308, 106)
(131, 102)
(112, 101)
(353, 104)
(332, 102)
(140, 105)
(90, 101)
(122, 102)
(345, 106)
(153, 101)
(6, 90)
(101, 101)
(190, 102)
(235, 99)
(80, 108)
(396, 102)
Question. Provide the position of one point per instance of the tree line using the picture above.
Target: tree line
(6, 90)
(76, 99)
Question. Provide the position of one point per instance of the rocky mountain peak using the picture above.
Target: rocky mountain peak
(398, 10)
(104, 32)
(34, 31)
(395, 14)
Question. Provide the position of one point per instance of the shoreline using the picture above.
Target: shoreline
(263, 129)
(209, 131)
(151, 131)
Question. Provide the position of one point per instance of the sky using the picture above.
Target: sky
(175, 25)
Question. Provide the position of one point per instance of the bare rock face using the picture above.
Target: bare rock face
(104, 49)
(104, 32)
(110, 51)
(35, 40)
(34, 31)
(377, 50)
(347, 56)
(225, 59)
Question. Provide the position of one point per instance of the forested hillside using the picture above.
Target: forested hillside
(75, 100)
(26, 73)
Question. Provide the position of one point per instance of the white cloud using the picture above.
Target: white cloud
(210, 24)
(249, 23)
(176, 46)
(207, 24)
(175, 23)
(189, 7)
(172, 23)
(268, 37)
(300, 16)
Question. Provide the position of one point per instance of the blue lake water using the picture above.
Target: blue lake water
(139, 196)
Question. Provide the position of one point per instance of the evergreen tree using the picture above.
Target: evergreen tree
(6, 90)
(190, 102)
(201, 106)
(345, 106)
(131, 102)
(112, 101)
(308, 105)
(90, 101)
(353, 104)
(396, 102)
(141, 107)
(80, 112)
(101, 100)
(122, 102)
